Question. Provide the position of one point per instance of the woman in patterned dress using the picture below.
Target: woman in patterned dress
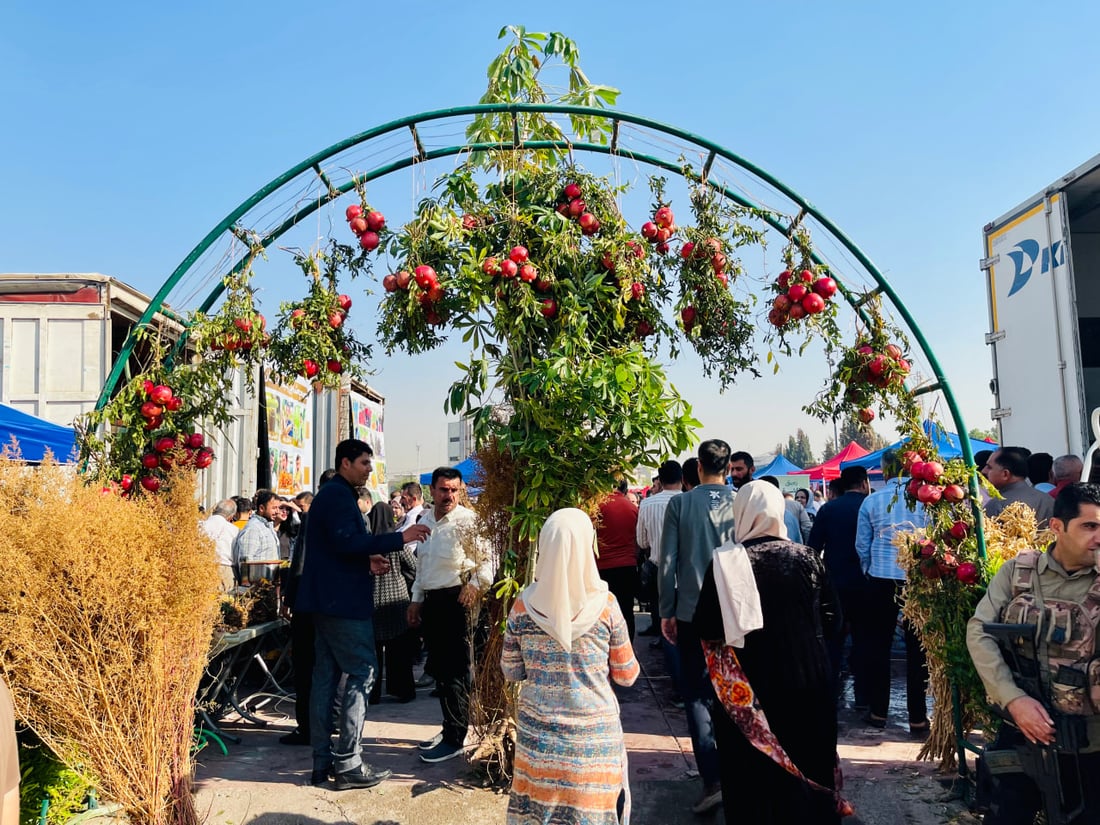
(566, 640)
(777, 734)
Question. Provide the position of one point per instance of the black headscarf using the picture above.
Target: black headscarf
(381, 519)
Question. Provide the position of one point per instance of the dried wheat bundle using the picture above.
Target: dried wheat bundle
(939, 610)
(107, 606)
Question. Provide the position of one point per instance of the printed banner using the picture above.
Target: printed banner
(367, 424)
(290, 438)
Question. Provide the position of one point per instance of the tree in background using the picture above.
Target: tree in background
(984, 435)
(797, 450)
(854, 430)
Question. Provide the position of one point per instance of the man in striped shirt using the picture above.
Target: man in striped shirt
(881, 515)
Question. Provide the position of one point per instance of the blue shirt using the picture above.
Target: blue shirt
(881, 515)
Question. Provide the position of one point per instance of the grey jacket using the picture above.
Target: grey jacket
(696, 523)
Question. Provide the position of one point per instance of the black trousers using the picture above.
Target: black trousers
(853, 602)
(395, 660)
(623, 583)
(882, 608)
(445, 626)
(1016, 799)
(302, 645)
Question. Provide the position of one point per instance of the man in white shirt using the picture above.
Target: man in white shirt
(220, 527)
(651, 519)
(448, 582)
(412, 499)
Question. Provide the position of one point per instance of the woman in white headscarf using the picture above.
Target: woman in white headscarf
(775, 722)
(566, 640)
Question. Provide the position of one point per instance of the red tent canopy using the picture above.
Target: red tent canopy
(831, 468)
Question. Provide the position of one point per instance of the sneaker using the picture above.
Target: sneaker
(424, 681)
(711, 798)
(442, 752)
(295, 737)
(428, 744)
(362, 777)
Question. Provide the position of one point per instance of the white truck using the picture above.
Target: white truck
(1042, 266)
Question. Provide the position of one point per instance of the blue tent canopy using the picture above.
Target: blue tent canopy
(470, 469)
(35, 435)
(947, 444)
(779, 466)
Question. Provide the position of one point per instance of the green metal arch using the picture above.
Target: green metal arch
(515, 109)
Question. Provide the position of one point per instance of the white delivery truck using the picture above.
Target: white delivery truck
(1042, 266)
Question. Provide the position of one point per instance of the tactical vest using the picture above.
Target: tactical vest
(1068, 632)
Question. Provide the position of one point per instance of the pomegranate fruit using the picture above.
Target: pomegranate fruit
(954, 492)
(425, 276)
(813, 304)
(967, 572)
(825, 287)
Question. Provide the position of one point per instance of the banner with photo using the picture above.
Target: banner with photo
(367, 424)
(290, 437)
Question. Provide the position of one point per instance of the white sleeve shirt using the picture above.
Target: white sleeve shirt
(442, 559)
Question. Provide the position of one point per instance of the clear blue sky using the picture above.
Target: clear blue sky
(130, 129)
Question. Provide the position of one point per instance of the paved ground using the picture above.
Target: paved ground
(261, 782)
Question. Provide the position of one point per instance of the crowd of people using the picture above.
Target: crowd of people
(762, 603)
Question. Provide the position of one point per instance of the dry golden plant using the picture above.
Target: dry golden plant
(107, 606)
(949, 667)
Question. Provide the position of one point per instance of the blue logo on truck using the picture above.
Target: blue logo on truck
(1026, 254)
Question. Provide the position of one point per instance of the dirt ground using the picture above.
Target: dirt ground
(261, 782)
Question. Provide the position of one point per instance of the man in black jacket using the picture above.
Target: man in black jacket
(834, 536)
(337, 588)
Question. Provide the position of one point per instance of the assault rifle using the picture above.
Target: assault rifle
(1040, 762)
